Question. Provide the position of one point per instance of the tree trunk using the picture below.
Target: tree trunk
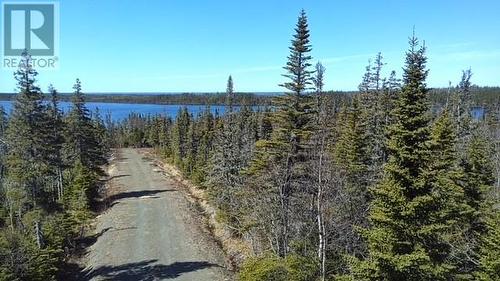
(39, 235)
(321, 226)
(284, 199)
(11, 215)
(60, 188)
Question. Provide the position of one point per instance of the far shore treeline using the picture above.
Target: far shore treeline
(396, 182)
(482, 96)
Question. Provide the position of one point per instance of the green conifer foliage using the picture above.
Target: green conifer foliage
(284, 154)
(77, 198)
(180, 137)
(55, 142)
(409, 214)
(478, 175)
(271, 267)
(352, 160)
(26, 135)
(82, 142)
(230, 156)
(489, 263)
(477, 181)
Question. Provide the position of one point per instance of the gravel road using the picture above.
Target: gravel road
(150, 231)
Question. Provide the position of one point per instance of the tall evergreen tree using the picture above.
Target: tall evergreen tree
(479, 175)
(26, 135)
(389, 96)
(189, 163)
(55, 141)
(180, 136)
(205, 145)
(285, 150)
(226, 163)
(409, 218)
(477, 182)
(373, 101)
(319, 83)
(82, 143)
(164, 140)
(101, 133)
(352, 160)
(462, 109)
(320, 164)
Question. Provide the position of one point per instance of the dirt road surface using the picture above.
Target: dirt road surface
(150, 232)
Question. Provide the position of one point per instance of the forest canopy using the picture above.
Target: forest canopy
(395, 181)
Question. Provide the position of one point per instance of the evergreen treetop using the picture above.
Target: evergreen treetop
(413, 209)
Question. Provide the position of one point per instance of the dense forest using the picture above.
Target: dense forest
(50, 167)
(393, 182)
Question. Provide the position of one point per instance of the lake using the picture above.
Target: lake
(478, 112)
(120, 111)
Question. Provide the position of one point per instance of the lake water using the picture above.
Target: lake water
(120, 111)
(478, 112)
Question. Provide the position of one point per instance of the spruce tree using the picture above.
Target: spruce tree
(478, 176)
(351, 146)
(26, 135)
(477, 181)
(101, 133)
(189, 163)
(352, 160)
(489, 263)
(409, 216)
(82, 143)
(180, 137)
(319, 82)
(372, 103)
(462, 109)
(77, 199)
(231, 155)
(164, 140)
(286, 148)
(389, 96)
(205, 145)
(55, 141)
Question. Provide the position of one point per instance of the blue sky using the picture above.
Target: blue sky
(192, 46)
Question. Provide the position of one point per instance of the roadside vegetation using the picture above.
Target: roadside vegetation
(393, 182)
(50, 166)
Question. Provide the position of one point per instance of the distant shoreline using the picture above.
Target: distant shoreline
(481, 95)
(166, 98)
